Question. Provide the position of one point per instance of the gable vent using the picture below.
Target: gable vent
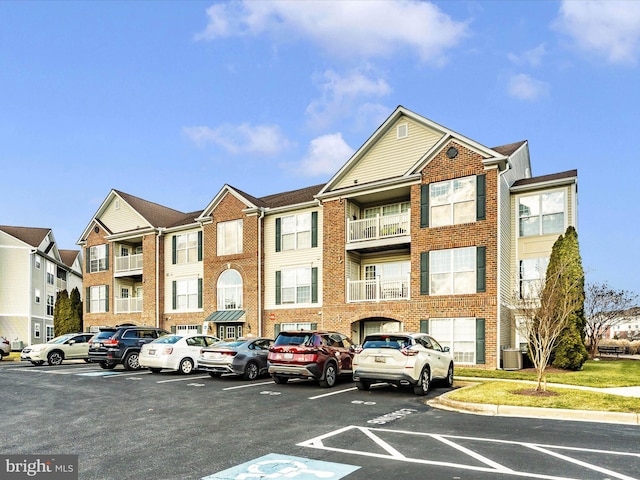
(403, 130)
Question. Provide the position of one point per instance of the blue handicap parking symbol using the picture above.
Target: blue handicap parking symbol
(284, 466)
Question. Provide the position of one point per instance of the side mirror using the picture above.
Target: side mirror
(445, 349)
(71, 342)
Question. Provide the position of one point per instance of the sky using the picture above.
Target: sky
(171, 100)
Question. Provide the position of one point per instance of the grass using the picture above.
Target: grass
(599, 374)
(12, 357)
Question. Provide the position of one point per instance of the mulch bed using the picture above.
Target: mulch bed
(532, 392)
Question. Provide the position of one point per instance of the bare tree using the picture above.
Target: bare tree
(604, 308)
(546, 312)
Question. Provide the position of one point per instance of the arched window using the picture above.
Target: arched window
(230, 290)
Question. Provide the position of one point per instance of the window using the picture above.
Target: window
(51, 273)
(48, 333)
(50, 302)
(124, 293)
(452, 271)
(187, 294)
(230, 290)
(452, 202)
(98, 258)
(37, 295)
(36, 260)
(230, 237)
(532, 274)
(187, 248)
(296, 231)
(296, 285)
(98, 298)
(386, 210)
(459, 334)
(229, 331)
(297, 326)
(541, 214)
(36, 330)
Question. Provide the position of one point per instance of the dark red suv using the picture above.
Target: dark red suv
(317, 355)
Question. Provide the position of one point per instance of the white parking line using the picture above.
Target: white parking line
(249, 385)
(118, 374)
(333, 393)
(181, 379)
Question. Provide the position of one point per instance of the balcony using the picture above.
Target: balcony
(61, 284)
(377, 290)
(128, 305)
(381, 229)
(129, 264)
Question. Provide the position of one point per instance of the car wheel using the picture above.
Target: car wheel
(155, 370)
(330, 375)
(55, 358)
(422, 388)
(449, 379)
(280, 380)
(107, 365)
(215, 374)
(38, 363)
(131, 361)
(251, 371)
(186, 366)
(363, 385)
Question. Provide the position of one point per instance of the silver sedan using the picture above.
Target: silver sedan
(245, 356)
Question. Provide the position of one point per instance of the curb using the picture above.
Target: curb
(444, 403)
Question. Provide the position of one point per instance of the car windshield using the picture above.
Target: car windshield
(103, 335)
(298, 338)
(60, 339)
(229, 344)
(386, 341)
(168, 339)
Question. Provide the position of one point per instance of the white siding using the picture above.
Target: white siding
(15, 283)
(122, 219)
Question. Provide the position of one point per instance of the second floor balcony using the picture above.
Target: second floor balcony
(129, 264)
(381, 227)
(128, 305)
(378, 289)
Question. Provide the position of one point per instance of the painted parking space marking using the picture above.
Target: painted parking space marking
(124, 374)
(336, 392)
(285, 466)
(182, 379)
(473, 453)
(248, 385)
(98, 373)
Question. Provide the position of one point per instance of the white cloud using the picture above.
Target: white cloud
(524, 87)
(325, 156)
(609, 28)
(243, 138)
(340, 94)
(344, 28)
(532, 58)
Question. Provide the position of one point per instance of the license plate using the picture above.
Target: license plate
(97, 345)
(380, 359)
(288, 356)
(152, 352)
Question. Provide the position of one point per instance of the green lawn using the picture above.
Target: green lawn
(601, 374)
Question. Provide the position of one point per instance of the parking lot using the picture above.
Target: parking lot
(126, 424)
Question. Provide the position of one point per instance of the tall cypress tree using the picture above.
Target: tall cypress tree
(76, 307)
(62, 314)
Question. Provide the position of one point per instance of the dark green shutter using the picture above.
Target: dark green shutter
(106, 257)
(314, 326)
(278, 227)
(276, 330)
(174, 255)
(481, 197)
(480, 341)
(106, 296)
(424, 205)
(314, 285)
(200, 328)
(424, 326)
(481, 269)
(173, 329)
(278, 287)
(88, 260)
(314, 229)
(199, 293)
(87, 299)
(200, 246)
(174, 300)
(424, 273)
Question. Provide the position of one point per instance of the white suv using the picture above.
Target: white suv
(402, 359)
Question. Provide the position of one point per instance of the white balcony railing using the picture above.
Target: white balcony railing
(377, 290)
(61, 284)
(128, 305)
(378, 227)
(128, 263)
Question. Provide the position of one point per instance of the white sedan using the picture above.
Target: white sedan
(174, 352)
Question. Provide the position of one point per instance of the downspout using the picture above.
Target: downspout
(260, 223)
(157, 289)
(498, 263)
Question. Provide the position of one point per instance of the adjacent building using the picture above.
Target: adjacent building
(32, 272)
(422, 229)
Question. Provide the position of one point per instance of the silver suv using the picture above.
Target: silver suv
(402, 359)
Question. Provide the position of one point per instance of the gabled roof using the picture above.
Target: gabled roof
(157, 215)
(69, 256)
(569, 176)
(509, 149)
(32, 236)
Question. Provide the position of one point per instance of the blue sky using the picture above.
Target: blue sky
(169, 100)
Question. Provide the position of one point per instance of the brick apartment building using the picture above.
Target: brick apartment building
(422, 229)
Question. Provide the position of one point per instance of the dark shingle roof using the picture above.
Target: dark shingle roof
(546, 178)
(291, 198)
(509, 149)
(157, 215)
(30, 235)
(68, 256)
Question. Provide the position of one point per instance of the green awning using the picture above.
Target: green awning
(226, 316)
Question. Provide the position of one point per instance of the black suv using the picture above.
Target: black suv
(121, 344)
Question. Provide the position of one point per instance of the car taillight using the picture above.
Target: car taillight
(167, 350)
(110, 343)
(357, 349)
(408, 352)
(229, 354)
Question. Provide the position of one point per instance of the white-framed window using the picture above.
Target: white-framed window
(36, 260)
(296, 285)
(296, 231)
(124, 292)
(48, 333)
(403, 130)
(459, 334)
(98, 298)
(452, 271)
(452, 202)
(36, 330)
(295, 326)
(385, 210)
(230, 237)
(229, 290)
(51, 273)
(532, 274)
(187, 248)
(186, 329)
(50, 304)
(98, 258)
(186, 294)
(542, 214)
(229, 331)
(37, 295)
